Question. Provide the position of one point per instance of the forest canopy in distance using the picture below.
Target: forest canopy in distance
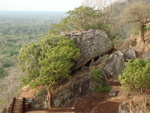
(20, 27)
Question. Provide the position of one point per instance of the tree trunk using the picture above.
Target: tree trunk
(142, 32)
(49, 98)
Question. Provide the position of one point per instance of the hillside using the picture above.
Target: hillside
(16, 29)
(80, 86)
(94, 60)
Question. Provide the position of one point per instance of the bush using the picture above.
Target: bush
(136, 75)
(105, 88)
(48, 61)
(98, 77)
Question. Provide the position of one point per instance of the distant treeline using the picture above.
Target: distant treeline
(18, 28)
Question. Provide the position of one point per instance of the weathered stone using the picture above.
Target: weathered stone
(40, 101)
(129, 53)
(115, 64)
(113, 93)
(78, 87)
(123, 109)
(92, 44)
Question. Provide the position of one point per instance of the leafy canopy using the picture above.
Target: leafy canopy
(80, 18)
(136, 75)
(48, 61)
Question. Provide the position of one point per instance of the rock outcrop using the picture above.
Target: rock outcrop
(77, 87)
(123, 109)
(129, 53)
(39, 102)
(115, 65)
(92, 43)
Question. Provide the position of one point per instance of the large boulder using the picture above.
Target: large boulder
(92, 43)
(77, 87)
(115, 65)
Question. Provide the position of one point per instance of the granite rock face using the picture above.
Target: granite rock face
(129, 53)
(115, 65)
(78, 87)
(92, 43)
(123, 109)
(39, 102)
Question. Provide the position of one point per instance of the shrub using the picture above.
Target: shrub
(98, 77)
(48, 61)
(136, 75)
(105, 88)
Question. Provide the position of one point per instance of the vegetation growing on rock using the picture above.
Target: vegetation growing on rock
(48, 61)
(97, 75)
(136, 75)
(81, 18)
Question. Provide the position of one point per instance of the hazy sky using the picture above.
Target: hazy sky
(39, 5)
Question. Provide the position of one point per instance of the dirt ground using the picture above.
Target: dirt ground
(96, 103)
(27, 92)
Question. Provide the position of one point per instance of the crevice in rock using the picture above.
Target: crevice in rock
(88, 63)
(96, 59)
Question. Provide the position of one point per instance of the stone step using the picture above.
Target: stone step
(16, 111)
(58, 110)
(62, 112)
(113, 93)
(18, 101)
(50, 112)
(16, 108)
(18, 104)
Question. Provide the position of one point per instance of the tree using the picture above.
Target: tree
(9, 86)
(48, 61)
(111, 15)
(80, 18)
(97, 4)
(136, 75)
(138, 13)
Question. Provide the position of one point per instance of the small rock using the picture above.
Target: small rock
(113, 93)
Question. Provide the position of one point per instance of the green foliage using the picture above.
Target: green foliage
(136, 75)
(17, 28)
(147, 28)
(2, 101)
(48, 61)
(97, 76)
(1, 72)
(81, 18)
(38, 92)
(105, 88)
(105, 57)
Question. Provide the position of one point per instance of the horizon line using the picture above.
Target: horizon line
(35, 10)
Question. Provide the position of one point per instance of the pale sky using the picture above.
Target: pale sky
(39, 5)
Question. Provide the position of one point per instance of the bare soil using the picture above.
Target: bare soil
(96, 103)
